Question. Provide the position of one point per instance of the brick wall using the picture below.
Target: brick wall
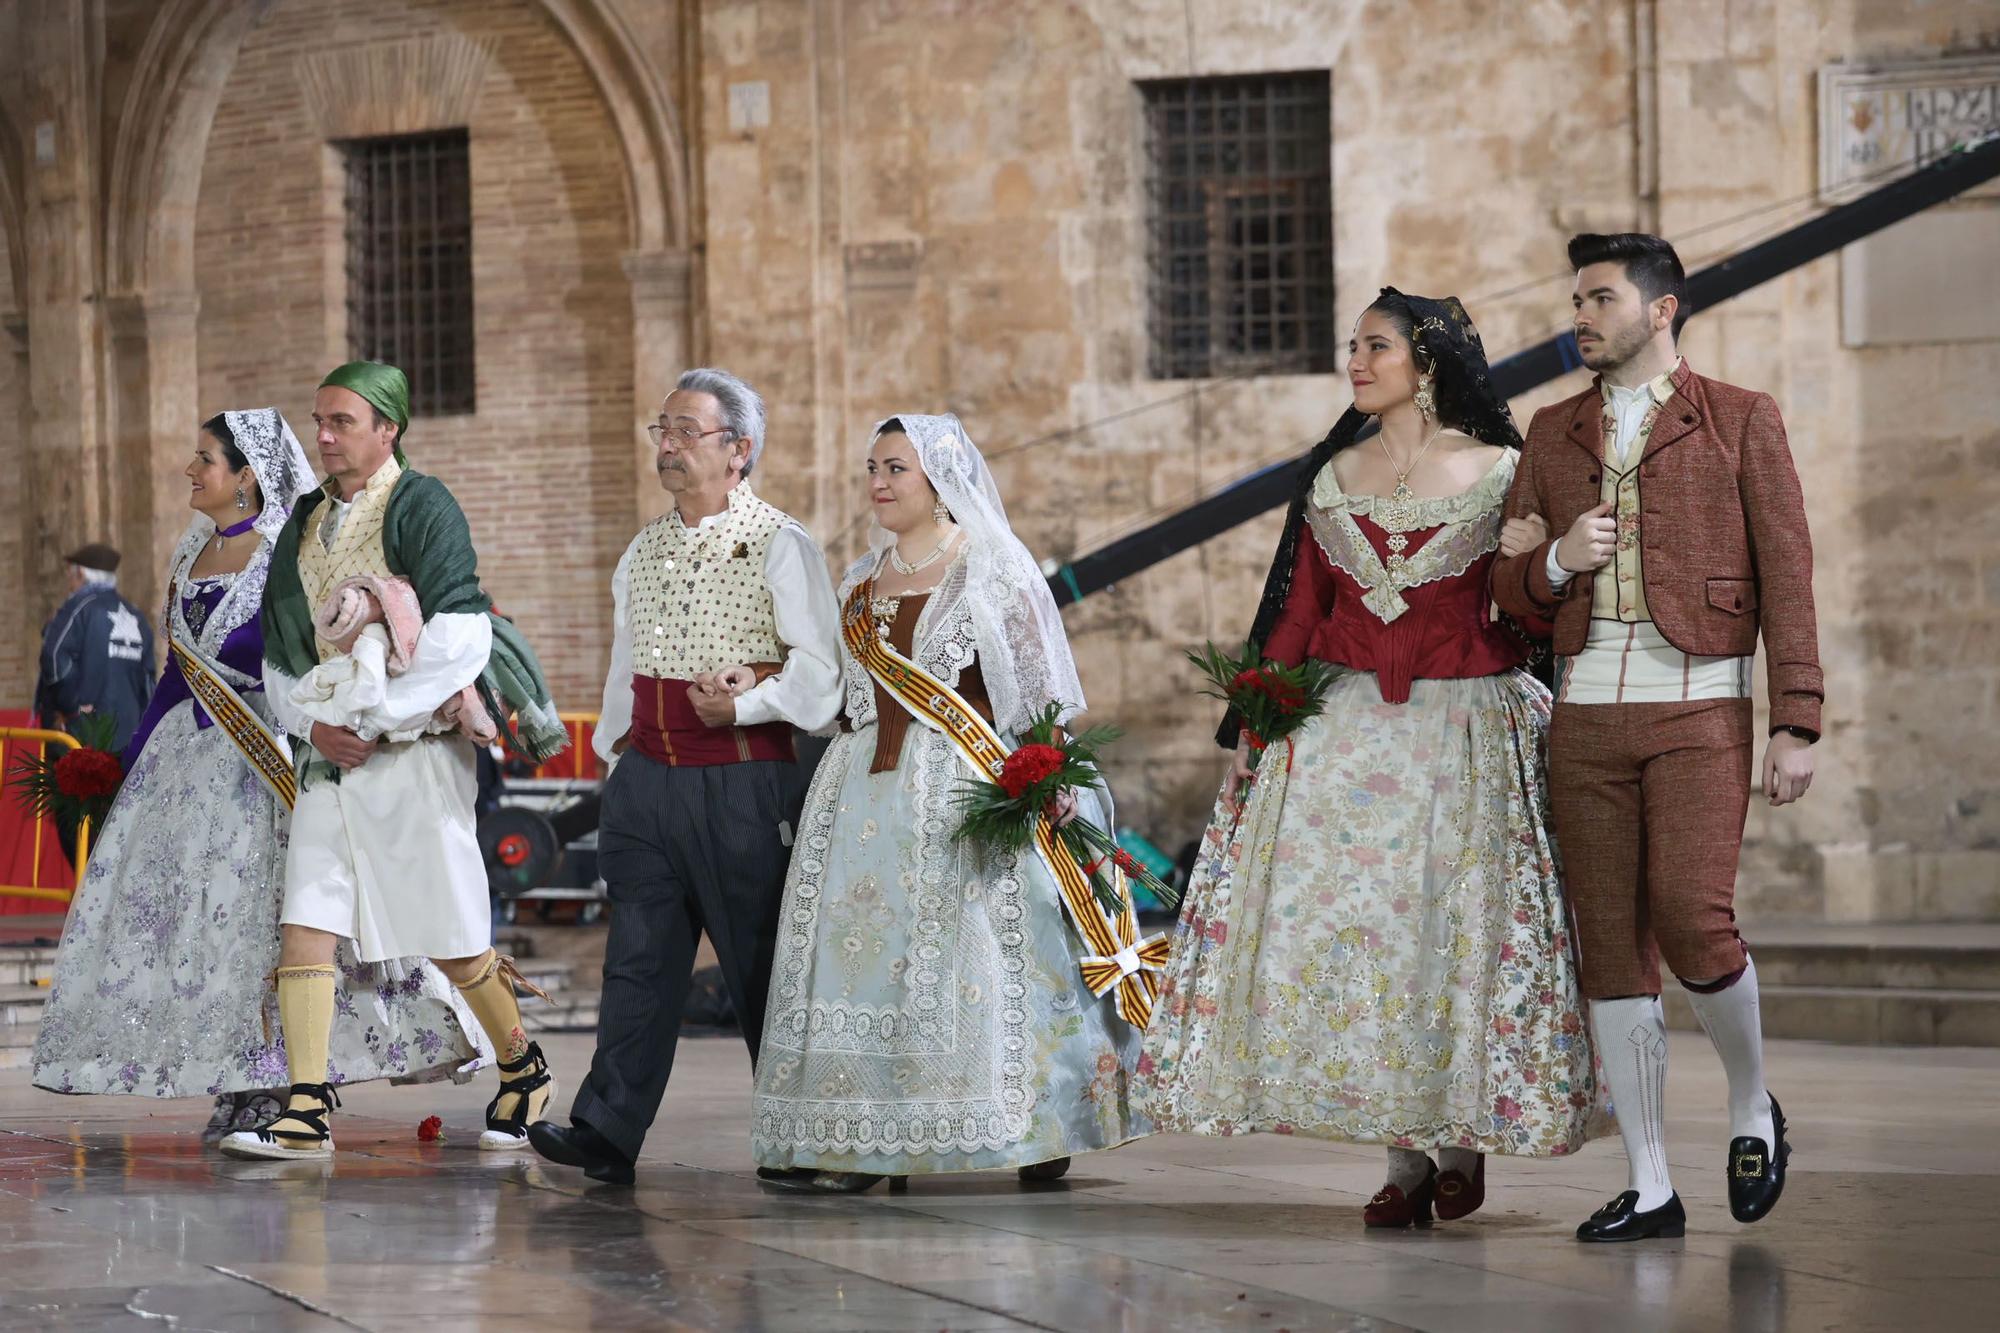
(543, 466)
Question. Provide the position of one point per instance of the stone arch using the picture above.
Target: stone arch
(162, 135)
(649, 128)
(157, 149)
(189, 51)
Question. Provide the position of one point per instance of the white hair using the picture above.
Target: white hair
(742, 407)
(103, 576)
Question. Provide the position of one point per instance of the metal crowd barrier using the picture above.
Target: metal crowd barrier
(43, 825)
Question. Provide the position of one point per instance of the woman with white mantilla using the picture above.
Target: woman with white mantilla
(926, 1011)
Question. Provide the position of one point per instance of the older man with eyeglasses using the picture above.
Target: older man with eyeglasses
(725, 638)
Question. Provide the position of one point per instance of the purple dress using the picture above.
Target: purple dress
(163, 982)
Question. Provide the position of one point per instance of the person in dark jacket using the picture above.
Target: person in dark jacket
(97, 650)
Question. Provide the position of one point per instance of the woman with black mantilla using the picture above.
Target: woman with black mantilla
(1374, 945)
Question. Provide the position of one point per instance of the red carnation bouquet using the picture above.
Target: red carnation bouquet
(1271, 701)
(72, 784)
(1000, 815)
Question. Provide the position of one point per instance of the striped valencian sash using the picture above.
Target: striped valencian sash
(261, 747)
(1118, 957)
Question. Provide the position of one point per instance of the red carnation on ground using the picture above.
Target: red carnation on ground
(87, 774)
(1027, 766)
(431, 1130)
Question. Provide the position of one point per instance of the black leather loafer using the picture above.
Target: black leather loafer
(1756, 1172)
(578, 1144)
(1622, 1219)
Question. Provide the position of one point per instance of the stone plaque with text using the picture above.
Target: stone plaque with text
(1881, 120)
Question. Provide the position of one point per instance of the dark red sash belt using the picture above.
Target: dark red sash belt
(666, 730)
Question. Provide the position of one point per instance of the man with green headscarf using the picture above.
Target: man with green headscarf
(382, 848)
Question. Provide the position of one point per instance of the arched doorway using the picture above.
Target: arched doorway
(162, 151)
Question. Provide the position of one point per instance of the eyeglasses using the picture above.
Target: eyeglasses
(683, 436)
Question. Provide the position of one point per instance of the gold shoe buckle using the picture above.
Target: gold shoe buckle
(1749, 1165)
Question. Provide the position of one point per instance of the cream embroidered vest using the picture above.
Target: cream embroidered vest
(357, 546)
(697, 600)
(1618, 592)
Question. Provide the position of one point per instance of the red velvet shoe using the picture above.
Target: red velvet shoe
(1458, 1197)
(1392, 1209)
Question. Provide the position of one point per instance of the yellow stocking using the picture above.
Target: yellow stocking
(305, 1013)
(490, 996)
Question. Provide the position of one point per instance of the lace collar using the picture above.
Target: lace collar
(1423, 512)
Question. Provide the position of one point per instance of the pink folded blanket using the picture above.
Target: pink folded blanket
(366, 600)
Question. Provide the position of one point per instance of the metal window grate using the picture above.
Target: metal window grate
(409, 263)
(1241, 220)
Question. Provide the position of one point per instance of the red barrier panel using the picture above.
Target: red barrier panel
(35, 876)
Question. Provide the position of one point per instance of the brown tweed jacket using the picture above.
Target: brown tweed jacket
(1723, 532)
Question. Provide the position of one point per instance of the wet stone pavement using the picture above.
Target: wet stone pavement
(114, 1216)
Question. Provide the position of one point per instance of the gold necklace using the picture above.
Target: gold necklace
(1397, 513)
(1403, 491)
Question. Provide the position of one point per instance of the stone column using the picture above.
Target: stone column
(20, 632)
(65, 464)
(662, 285)
(153, 398)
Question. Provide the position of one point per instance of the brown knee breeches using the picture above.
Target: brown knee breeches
(1649, 801)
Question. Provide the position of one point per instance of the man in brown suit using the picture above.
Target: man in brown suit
(1683, 535)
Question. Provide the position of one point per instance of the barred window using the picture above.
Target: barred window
(409, 263)
(1241, 218)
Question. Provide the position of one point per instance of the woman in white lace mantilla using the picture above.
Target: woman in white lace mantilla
(162, 984)
(926, 1011)
(1374, 945)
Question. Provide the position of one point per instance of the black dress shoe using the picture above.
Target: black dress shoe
(787, 1177)
(1757, 1174)
(577, 1144)
(1622, 1219)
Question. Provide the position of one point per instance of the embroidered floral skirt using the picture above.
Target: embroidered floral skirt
(162, 984)
(926, 1013)
(1377, 949)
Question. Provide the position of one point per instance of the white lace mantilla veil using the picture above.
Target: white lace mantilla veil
(265, 439)
(1024, 656)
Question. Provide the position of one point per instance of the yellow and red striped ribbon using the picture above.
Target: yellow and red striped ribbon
(1118, 957)
(261, 749)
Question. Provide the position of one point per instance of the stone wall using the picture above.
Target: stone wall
(950, 214)
(942, 213)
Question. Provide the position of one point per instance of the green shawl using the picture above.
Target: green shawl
(427, 541)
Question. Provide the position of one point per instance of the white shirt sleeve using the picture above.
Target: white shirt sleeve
(614, 714)
(806, 691)
(1558, 576)
(451, 652)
